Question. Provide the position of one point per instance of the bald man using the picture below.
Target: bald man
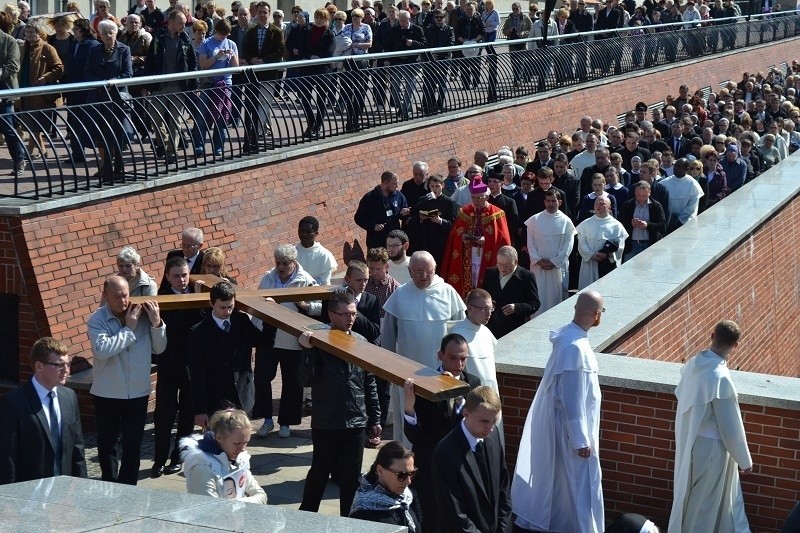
(557, 483)
(122, 336)
(415, 320)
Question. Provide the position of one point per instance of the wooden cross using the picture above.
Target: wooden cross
(390, 366)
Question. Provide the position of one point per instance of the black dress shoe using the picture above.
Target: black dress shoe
(157, 471)
(173, 468)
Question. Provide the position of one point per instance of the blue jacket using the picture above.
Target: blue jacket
(375, 208)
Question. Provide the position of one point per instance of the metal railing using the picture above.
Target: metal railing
(124, 138)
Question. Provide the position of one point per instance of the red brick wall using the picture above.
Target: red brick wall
(63, 255)
(637, 452)
(755, 285)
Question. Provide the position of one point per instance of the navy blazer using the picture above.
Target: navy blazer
(27, 448)
(118, 66)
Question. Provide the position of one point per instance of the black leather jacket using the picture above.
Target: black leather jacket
(343, 395)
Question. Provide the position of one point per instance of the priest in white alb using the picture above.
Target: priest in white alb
(481, 342)
(550, 240)
(415, 321)
(710, 442)
(601, 242)
(557, 483)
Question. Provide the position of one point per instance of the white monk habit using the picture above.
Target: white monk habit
(551, 237)
(480, 360)
(413, 326)
(709, 444)
(554, 489)
(593, 233)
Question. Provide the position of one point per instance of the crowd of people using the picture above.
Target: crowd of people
(454, 261)
(179, 39)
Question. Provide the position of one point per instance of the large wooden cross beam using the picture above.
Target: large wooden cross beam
(390, 366)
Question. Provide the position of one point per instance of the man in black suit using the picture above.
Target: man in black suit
(215, 344)
(427, 422)
(263, 43)
(430, 232)
(513, 291)
(41, 424)
(191, 242)
(470, 479)
(503, 201)
(368, 319)
(643, 219)
(173, 397)
(680, 145)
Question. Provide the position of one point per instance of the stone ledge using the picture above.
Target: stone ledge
(637, 289)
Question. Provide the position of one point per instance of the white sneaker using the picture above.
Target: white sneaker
(284, 433)
(265, 428)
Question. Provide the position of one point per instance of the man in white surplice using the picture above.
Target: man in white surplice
(481, 342)
(596, 234)
(710, 442)
(557, 482)
(416, 320)
(550, 240)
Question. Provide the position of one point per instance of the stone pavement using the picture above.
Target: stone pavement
(279, 465)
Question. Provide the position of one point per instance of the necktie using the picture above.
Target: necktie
(226, 325)
(483, 464)
(55, 431)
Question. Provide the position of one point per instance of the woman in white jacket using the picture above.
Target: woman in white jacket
(217, 465)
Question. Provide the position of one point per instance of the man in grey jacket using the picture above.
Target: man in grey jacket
(122, 341)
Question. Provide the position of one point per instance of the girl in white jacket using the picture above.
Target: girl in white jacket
(217, 464)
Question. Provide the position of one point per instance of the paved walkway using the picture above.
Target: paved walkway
(279, 465)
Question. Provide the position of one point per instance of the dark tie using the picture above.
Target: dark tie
(226, 325)
(483, 464)
(55, 431)
(677, 146)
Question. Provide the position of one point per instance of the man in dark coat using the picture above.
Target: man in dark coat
(41, 435)
(513, 291)
(427, 422)
(214, 346)
(470, 479)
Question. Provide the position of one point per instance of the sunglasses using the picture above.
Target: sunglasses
(402, 476)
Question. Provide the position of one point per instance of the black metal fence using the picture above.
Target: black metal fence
(125, 138)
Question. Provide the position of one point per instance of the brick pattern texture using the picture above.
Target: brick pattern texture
(755, 284)
(637, 452)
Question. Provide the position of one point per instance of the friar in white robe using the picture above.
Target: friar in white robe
(415, 321)
(593, 234)
(557, 482)
(710, 442)
(550, 240)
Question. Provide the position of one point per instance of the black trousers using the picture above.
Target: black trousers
(290, 412)
(338, 451)
(172, 399)
(112, 416)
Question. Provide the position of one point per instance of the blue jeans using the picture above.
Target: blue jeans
(7, 129)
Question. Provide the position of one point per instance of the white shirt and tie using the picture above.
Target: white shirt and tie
(52, 412)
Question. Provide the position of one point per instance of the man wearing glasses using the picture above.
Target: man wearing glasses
(344, 404)
(191, 242)
(480, 340)
(41, 422)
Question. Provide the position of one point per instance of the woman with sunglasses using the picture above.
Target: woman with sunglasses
(384, 495)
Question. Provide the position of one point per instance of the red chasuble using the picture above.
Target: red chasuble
(457, 264)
